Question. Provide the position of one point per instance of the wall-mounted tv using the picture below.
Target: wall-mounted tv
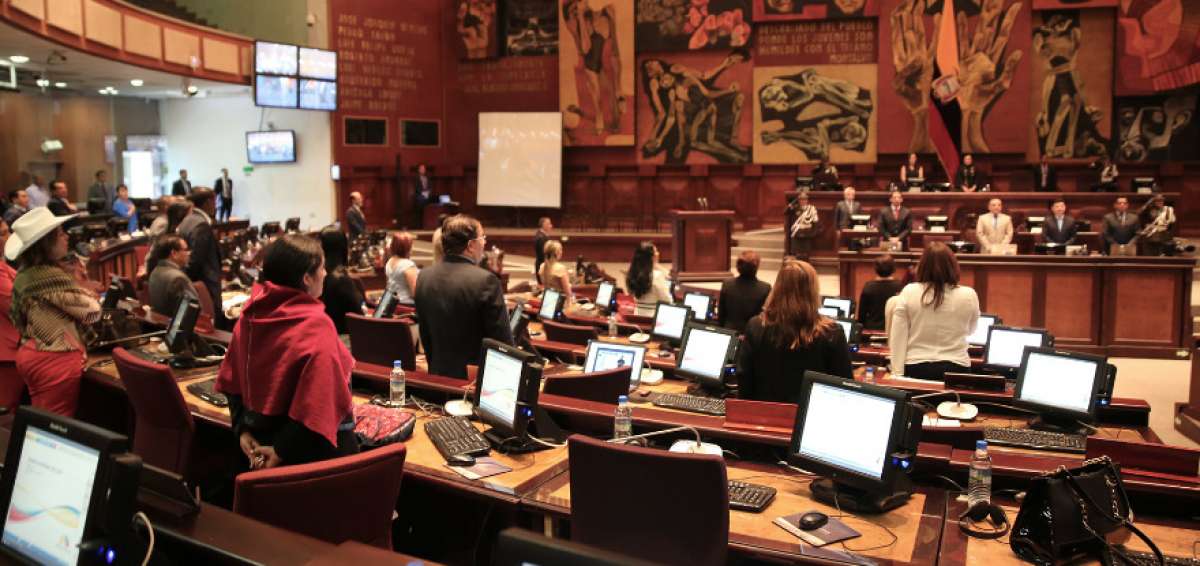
(318, 64)
(287, 76)
(8, 76)
(318, 95)
(275, 92)
(275, 58)
(277, 146)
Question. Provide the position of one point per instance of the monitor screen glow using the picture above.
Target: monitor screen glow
(847, 328)
(603, 356)
(318, 64)
(549, 304)
(838, 303)
(847, 429)
(669, 320)
(980, 336)
(700, 303)
(318, 95)
(271, 147)
(1007, 346)
(604, 294)
(1059, 381)
(275, 92)
(275, 58)
(498, 386)
(831, 312)
(704, 352)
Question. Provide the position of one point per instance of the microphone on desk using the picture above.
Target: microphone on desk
(956, 409)
(460, 407)
(686, 446)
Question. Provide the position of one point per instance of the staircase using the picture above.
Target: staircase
(170, 9)
(768, 242)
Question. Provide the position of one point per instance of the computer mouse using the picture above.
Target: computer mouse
(644, 393)
(461, 460)
(663, 354)
(813, 520)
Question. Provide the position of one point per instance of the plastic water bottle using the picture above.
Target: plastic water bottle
(612, 326)
(623, 418)
(979, 480)
(869, 377)
(397, 396)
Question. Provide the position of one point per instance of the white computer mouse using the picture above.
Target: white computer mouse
(692, 447)
(639, 337)
(459, 408)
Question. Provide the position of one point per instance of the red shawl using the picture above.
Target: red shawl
(10, 337)
(285, 358)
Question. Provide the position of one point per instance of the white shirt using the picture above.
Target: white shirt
(920, 333)
(37, 196)
(660, 290)
(394, 269)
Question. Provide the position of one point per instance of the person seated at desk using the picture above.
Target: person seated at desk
(1107, 182)
(646, 281)
(48, 308)
(1059, 228)
(788, 338)
(1120, 226)
(458, 302)
(875, 294)
(932, 318)
(1045, 176)
(742, 297)
(18, 205)
(12, 388)
(400, 269)
(825, 175)
(846, 208)
(124, 208)
(1158, 225)
(805, 228)
(60, 203)
(895, 221)
(994, 229)
(286, 374)
(168, 282)
(911, 169)
(968, 179)
(340, 294)
(554, 274)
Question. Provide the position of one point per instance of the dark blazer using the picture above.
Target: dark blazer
(59, 207)
(842, 213)
(767, 372)
(893, 227)
(1051, 178)
(340, 296)
(1051, 233)
(168, 284)
(219, 188)
(181, 188)
(459, 304)
(976, 178)
(205, 263)
(741, 299)
(356, 223)
(1117, 232)
(539, 252)
(873, 299)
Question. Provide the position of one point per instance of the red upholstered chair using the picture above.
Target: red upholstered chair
(680, 514)
(569, 333)
(12, 387)
(347, 498)
(164, 428)
(381, 341)
(206, 302)
(601, 386)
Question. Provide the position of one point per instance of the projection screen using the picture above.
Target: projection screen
(520, 159)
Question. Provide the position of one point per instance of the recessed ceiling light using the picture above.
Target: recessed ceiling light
(193, 89)
(103, 91)
(42, 83)
(60, 85)
(19, 59)
(136, 82)
(113, 91)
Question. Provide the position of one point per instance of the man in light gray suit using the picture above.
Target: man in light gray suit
(846, 208)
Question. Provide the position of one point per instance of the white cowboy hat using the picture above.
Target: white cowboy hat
(30, 228)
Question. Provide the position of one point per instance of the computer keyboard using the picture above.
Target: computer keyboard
(454, 436)
(749, 496)
(691, 403)
(1148, 559)
(206, 392)
(1039, 439)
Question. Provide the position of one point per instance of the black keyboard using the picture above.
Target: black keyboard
(1038, 439)
(1148, 559)
(749, 497)
(691, 403)
(454, 436)
(206, 392)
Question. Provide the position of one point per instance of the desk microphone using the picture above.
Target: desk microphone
(956, 409)
(460, 407)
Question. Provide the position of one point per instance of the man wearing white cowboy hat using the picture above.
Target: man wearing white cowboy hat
(47, 308)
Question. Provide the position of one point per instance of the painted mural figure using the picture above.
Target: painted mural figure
(1067, 126)
(691, 111)
(475, 21)
(789, 98)
(1148, 127)
(595, 33)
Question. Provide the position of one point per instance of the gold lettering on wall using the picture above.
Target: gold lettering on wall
(378, 61)
(835, 42)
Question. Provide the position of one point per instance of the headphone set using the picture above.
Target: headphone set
(992, 517)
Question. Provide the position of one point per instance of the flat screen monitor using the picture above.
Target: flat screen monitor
(916, 182)
(831, 312)
(1006, 344)
(318, 95)
(113, 294)
(860, 220)
(506, 389)
(669, 320)
(276, 92)
(700, 303)
(603, 356)
(275, 58)
(604, 294)
(8, 76)
(387, 304)
(179, 331)
(515, 317)
(55, 481)
(851, 329)
(937, 222)
(1060, 385)
(979, 336)
(318, 64)
(552, 301)
(271, 147)
(842, 304)
(705, 352)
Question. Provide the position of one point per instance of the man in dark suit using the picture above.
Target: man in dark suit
(356, 221)
(224, 189)
(205, 262)
(182, 187)
(845, 208)
(1045, 177)
(1059, 228)
(59, 204)
(742, 297)
(422, 194)
(895, 221)
(1120, 226)
(458, 302)
(168, 283)
(102, 190)
(539, 245)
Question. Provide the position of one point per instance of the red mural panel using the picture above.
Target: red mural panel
(510, 84)
(1158, 46)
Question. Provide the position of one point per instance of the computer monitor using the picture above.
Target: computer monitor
(552, 304)
(915, 184)
(183, 324)
(669, 321)
(1005, 345)
(57, 489)
(606, 297)
(603, 356)
(980, 336)
(113, 294)
(516, 318)
(506, 394)
(831, 312)
(859, 436)
(1144, 185)
(860, 222)
(707, 355)
(1062, 387)
(842, 304)
(851, 329)
(387, 304)
(937, 222)
(444, 199)
(701, 305)
(1034, 224)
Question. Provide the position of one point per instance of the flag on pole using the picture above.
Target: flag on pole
(945, 116)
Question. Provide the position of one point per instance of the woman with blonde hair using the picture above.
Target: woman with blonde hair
(554, 274)
(789, 338)
(931, 318)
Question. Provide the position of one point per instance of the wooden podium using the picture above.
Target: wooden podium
(701, 244)
(1187, 415)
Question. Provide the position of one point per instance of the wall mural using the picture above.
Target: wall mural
(810, 114)
(1072, 4)
(1158, 128)
(778, 10)
(680, 25)
(692, 107)
(596, 68)
(1072, 78)
(477, 29)
(530, 27)
(1158, 47)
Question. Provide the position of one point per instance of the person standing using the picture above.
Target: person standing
(182, 187)
(1060, 228)
(554, 274)
(804, 229)
(340, 294)
(846, 208)
(205, 262)
(967, 179)
(422, 194)
(224, 189)
(401, 270)
(1045, 177)
(1120, 226)
(38, 196)
(994, 229)
(1158, 225)
(59, 202)
(101, 189)
(932, 318)
(895, 221)
(742, 297)
(545, 227)
(911, 169)
(124, 208)
(646, 281)
(356, 221)
(875, 293)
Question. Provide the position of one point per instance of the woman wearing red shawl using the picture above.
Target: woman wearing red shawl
(11, 385)
(286, 374)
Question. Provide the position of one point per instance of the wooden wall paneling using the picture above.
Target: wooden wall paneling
(623, 204)
(1071, 305)
(723, 189)
(33, 8)
(143, 37)
(750, 198)
(220, 56)
(180, 46)
(1009, 294)
(66, 15)
(1135, 307)
(103, 24)
(670, 192)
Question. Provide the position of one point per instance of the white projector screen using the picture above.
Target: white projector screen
(520, 159)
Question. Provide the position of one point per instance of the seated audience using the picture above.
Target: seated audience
(286, 374)
(168, 282)
(932, 318)
(645, 281)
(876, 293)
(554, 273)
(340, 294)
(994, 229)
(401, 270)
(1158, 225)
(789, 338)
(12, 387)
(1059, 228)
(18, 204)
(458, 302)
(1120, 226)
(742, 297)
(124, 208)
(60, 203)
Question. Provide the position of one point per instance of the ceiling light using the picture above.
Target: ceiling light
(60, 85)
(18, 59)
(113, 91)
(193, 89)
(42, 82)
(103, 91)
(136, 82)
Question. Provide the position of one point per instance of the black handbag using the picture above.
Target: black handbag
(1067, 513)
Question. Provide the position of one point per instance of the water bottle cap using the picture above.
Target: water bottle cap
(981, 445)
(622, 398)
(396, 364)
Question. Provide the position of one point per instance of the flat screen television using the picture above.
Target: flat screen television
(276, 92)
(318, 64)
(275, 58)
(271, 147)
(8, 76)
(318, 95)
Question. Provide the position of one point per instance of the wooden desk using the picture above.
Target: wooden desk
(915, 525)
(1116, 306)
(115, 257)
